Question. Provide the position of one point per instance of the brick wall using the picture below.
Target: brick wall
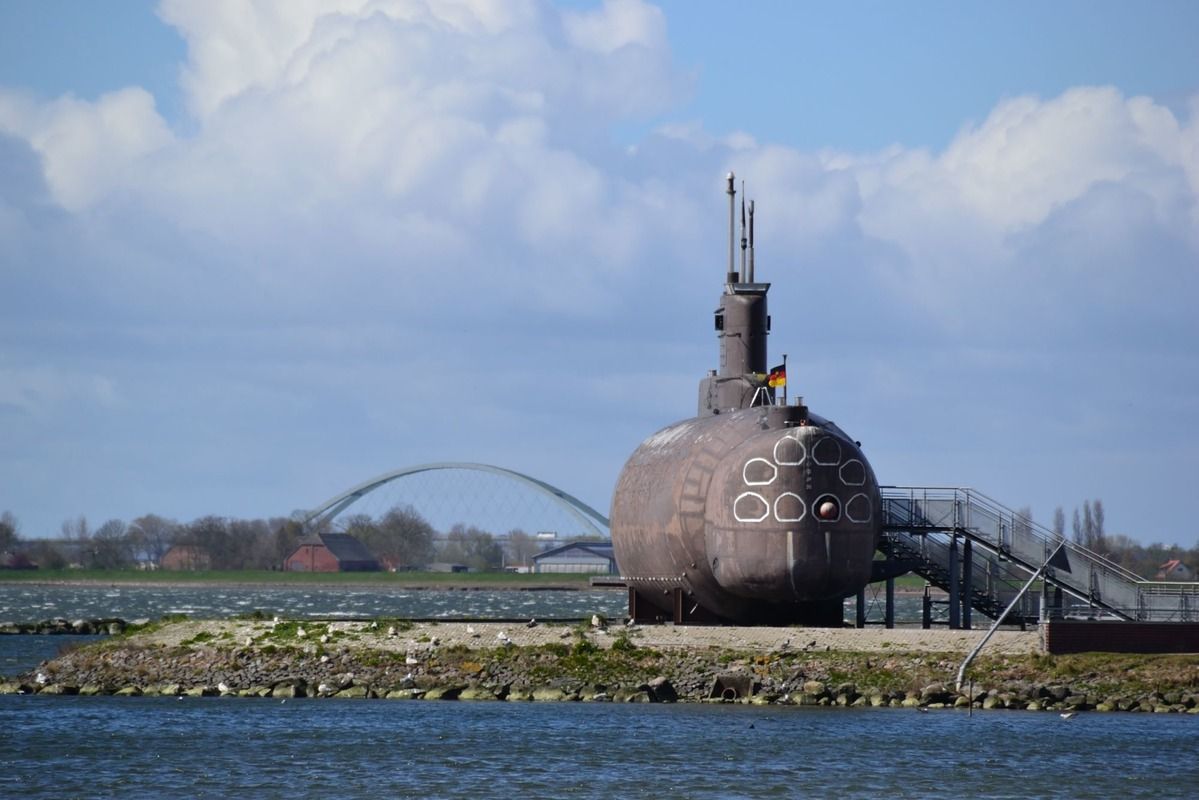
(312, 558)
(1081, 636)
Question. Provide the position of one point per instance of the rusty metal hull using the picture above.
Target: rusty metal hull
(761, 515)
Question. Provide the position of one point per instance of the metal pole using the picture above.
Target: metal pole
(955, 585)
(732, 192)
(784, 379)
(889, 620)
(967, 583)
(962, 669)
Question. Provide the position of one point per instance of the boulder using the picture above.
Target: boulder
(662, 689)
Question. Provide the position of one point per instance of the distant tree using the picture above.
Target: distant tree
(1097, 526)
(212, 534)
(249, 544)
(522, 547)
(9, 531)
(1077, 529)
(288, 533)
(153, 535)
(47, 555)
(109, 547)
(401, 538)
(361, 526)
(1088, 526)
(473, 547)
(76, 530)
(1059, 524)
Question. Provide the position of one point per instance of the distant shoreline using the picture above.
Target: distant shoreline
(460, 584)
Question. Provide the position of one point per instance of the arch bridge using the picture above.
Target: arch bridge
(593, 522)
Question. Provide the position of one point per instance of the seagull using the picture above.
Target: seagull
(325, 639)
(301, 633)
(595, 621)
(503, 637)
(391, 630)
(410, 660)
(41, 679)
(324, 688)
(531, 623)
(223, 687)
(1067, 715)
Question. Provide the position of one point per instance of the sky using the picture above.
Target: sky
(254, 253)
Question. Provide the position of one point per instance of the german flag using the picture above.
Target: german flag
(778, 377)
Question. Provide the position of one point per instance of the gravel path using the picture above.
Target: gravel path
(491, 634)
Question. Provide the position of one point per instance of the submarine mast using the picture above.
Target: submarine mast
(742, 324)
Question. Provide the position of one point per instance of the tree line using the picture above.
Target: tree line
(400, 539)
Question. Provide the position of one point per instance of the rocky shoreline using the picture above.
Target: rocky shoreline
(395, 659)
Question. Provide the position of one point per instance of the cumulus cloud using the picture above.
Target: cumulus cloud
(374, 193)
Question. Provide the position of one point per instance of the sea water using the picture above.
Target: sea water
(102, 747)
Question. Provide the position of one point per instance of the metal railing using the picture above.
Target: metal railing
(1014, 547)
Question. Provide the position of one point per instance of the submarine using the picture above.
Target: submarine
(756, 510)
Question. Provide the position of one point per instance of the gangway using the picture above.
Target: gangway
(981, 553)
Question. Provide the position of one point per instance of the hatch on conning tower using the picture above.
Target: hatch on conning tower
(742, 325)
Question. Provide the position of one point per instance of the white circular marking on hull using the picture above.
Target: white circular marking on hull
(803, 511)
(858, 509)
(774, 471)
(743, 513)
(786, 459)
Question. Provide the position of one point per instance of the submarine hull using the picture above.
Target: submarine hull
(765, 515)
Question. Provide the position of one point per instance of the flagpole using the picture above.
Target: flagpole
(784, 379)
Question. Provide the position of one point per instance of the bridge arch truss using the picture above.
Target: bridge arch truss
(593, 522)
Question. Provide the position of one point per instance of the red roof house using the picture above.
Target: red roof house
(330, 552)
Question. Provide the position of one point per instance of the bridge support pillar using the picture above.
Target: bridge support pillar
(860, 617)
(955, 584)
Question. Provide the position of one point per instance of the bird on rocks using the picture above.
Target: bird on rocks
(531, 623)
(470, 629)
(391, 630)
(41, 679)
(503, 637)
(410, 660)
(223, 688)
(301, 633)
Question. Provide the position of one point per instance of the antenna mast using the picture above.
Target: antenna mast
(732, 192)
(745, 276)
(751, 240)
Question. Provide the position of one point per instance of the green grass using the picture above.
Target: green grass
(483, 579)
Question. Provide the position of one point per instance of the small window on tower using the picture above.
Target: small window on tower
(720, 322)
(768, 323)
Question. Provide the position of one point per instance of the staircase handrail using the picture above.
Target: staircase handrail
(1038, 532)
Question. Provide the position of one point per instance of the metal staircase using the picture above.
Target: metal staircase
(981, 552)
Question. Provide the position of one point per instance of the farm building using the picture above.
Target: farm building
(188, 557)
(586, 557)
(330, 552)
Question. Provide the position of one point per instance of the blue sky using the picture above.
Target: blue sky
(252, 254)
